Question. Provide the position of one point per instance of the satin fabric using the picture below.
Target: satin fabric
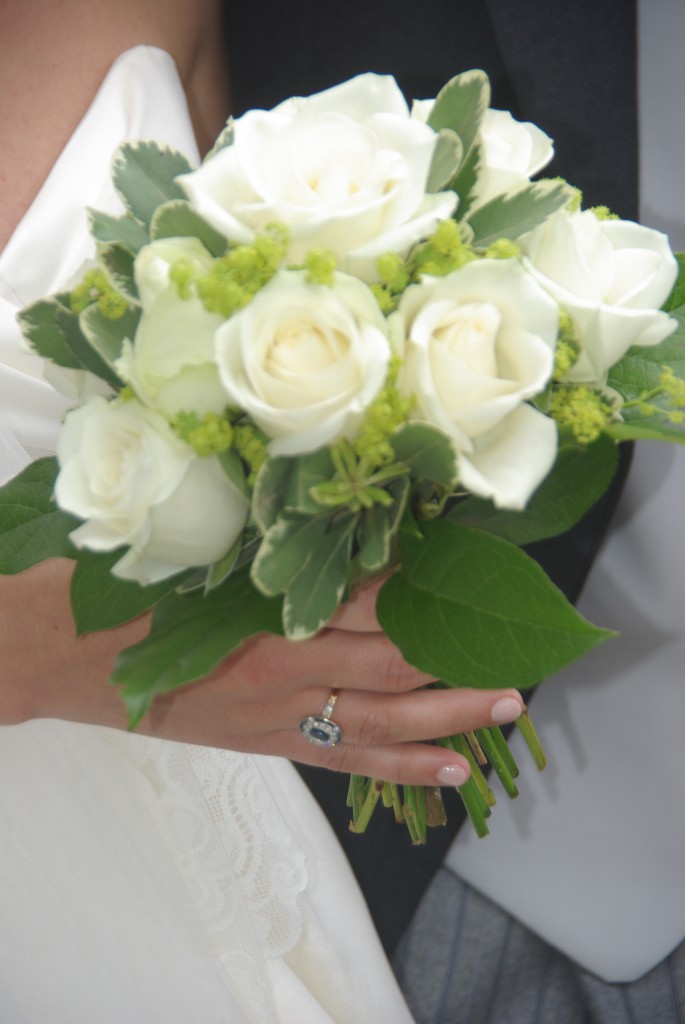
(146, 880)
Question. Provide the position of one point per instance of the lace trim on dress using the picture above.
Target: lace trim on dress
(241, 864)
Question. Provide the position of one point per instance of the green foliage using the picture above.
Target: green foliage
(178, 219)
(515, 213)
(378, 527)
(95, 288)
(320, 586)
(446, 250)
(107, 336)
(190, 636)
(460, 106)
(268, 497)
(235, 278)
(118, 260)
(32, 528)
(427, 452)
(143, 174)
(582, 410)
(579, 478)
(285, 484)
(125, 229)
(649, 412)
(88, 358)
(100, 600)
(676, 299)
(473, 610)
(210, 434)
(447, 157)
(465, 182)
(224, 139)
(285, 550)
(221, 570)
(42, 331)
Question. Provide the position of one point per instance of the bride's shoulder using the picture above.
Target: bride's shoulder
(54, 58)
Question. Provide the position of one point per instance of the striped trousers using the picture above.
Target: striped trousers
(464, 961)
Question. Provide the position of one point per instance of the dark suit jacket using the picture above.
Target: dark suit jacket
(568, 67)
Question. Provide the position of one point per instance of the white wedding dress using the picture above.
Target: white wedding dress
(144, 880)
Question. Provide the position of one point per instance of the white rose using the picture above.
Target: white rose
(345, 169)
(124, 471)
(170, 362)
(305, 360)
(611, 276)
(478, 343)
(512, 152)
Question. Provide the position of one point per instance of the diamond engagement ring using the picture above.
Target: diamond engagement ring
(319, 729)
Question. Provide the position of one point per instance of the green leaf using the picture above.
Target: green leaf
(233, 468)
(460, 106)
(125, 229)
(321, 584)
(447, 157)
(43, 333)
(32, 528)
(117, 260)
(676, 299)
(465, 182)
(640, 368)
(221, 570)
(515, 213)
(649, 430)
(285, 550)
(190, 636)
(178, 219)
(100, 600)
(639, 372)
(270, 490)
(143, 175)
(307, 472)
(285, 483)
(378, 526)
(579, 479)
(473, 610)
(107, 336)
(225, 139)
(427, 451)
(89, 359)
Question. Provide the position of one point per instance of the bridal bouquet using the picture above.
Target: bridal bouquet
(357, 340)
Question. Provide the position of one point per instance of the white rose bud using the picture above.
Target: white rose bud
(170, 362)
(511, 152)
(479, 342)
(305, 360)
(124, 471)
(611, 277)
(345, 169)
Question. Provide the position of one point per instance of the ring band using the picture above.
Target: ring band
(320, 729)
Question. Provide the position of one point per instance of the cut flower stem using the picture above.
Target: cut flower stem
(421, 807)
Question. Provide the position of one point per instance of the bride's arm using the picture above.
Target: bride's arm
(53, 57)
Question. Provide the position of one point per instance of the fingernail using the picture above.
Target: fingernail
(508, 709)
(452, 775)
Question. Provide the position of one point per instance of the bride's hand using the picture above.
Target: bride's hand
(257, 698)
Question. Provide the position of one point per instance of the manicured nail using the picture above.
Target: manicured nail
(508, 709)
(452, 775)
